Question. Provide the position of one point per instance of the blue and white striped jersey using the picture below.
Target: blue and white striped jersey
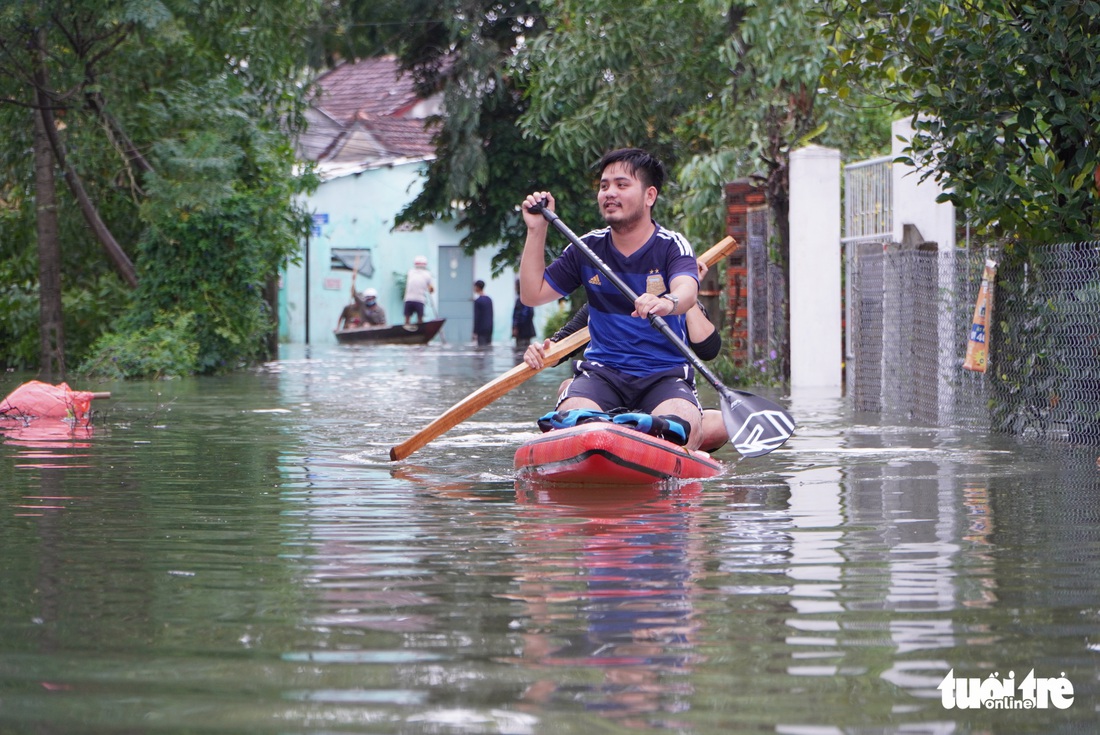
(628, 344)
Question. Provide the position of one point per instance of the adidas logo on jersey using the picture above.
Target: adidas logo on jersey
(595, 280)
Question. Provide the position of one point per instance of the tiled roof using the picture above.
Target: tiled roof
(367, 114)
(407, 134)
(374, 86)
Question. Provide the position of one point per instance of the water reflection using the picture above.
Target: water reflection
(361, 565)
(238, 555)
(608, 579)
(46, 442)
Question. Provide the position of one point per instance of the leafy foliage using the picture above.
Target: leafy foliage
(720, 91)
(767, 102)
(556, 321)
(764, 373)
(177, 117)
(616, 73)
(166, 348)
(18, 271)
(358, 29)
(467, 50)
(209, 254)
(1045, 341)
(1004, 97)
(19, 312)
(536, 92)
(514, 166)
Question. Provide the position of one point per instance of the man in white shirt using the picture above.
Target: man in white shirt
(418, 285)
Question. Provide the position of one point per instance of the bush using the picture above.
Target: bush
(88, 307)
(168, 348)
(19, 326)
(764, 373)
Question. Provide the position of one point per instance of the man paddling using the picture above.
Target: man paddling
(628, 364)
(363, 310)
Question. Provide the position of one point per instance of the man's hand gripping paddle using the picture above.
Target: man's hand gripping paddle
(755, 425)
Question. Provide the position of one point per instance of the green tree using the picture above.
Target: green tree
(720, 90)
(42, 61)
(170, 122)
(536, 92)
(612, 74)
(1004, 97)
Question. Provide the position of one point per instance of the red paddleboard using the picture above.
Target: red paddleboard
(601, 453)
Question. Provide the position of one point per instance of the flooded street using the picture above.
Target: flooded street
(238, 555)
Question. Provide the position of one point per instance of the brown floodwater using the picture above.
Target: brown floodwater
(238, 555)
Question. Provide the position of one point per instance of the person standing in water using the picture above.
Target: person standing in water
(418, 287)
(483, 315)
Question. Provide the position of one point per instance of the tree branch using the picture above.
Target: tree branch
(98, 105)
(115, 252)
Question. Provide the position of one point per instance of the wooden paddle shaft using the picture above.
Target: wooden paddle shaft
(518, 375)
(485, 395)
(720, 250)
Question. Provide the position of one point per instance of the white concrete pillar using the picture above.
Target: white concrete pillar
(915, 201)
(814, 217)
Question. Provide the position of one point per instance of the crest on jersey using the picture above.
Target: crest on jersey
(655, 284)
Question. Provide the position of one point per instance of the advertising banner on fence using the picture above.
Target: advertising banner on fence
(977, 352)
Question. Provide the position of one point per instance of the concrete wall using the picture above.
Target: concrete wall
(815, 229)
(915, 205)
(915, 202)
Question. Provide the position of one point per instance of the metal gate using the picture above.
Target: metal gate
(868, 228)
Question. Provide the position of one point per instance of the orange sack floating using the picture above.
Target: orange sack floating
(36, 399)
(977, 351)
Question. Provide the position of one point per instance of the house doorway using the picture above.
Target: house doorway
(456, 289)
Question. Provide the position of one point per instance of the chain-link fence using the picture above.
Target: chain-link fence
(767, 327)
(1046, 374)
(909, 311)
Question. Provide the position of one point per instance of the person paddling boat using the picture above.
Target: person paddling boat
(755, 425)
(628, 365)
(703, 338)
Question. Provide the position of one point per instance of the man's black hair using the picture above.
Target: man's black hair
(480, 285)
(648, 168)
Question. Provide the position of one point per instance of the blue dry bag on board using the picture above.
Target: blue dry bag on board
(569, 419)
(669, 428)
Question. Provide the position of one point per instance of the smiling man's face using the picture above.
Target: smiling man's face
(623, 199)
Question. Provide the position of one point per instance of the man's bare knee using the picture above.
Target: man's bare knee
(578, 402)
(687, 411)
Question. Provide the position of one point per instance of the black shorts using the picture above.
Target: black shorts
(414, 307)
(611, 389)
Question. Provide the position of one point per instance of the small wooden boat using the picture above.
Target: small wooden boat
(391, 334)
(600, 453)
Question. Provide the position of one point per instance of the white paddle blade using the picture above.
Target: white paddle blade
(756, 430)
